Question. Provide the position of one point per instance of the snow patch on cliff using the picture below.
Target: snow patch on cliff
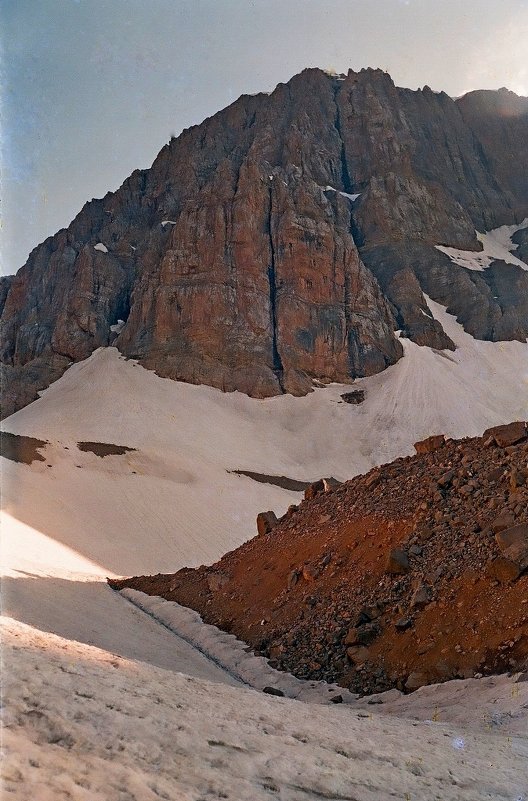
(496, 245)
(117, 327)
(345, 194)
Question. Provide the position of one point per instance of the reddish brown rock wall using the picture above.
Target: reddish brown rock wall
(262, 276)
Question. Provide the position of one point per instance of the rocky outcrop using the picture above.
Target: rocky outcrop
(430, 444)
(280, 241)
(416, 577)
(498, 121)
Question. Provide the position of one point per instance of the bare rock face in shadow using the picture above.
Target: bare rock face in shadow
(355, 397)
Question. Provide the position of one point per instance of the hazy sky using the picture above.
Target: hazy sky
(94, 88)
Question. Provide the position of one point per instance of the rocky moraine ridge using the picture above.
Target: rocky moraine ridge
(285, 239)
(412, 574)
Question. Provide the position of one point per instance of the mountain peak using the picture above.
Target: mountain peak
(284, 240)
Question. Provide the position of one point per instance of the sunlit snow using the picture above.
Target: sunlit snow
(75, 518)
(84, 723)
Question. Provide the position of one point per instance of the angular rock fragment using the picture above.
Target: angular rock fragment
(509, 434)
(397, 562)
(430, 444)
(266, 522)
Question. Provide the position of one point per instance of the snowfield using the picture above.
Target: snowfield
(173, 502)
(73, 519)
(83, 724)
(118, 721)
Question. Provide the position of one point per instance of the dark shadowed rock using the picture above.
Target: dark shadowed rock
(417, 679)
(355, 397)
(446, 479)
(397, 562)
(513, 543)
(273, 691)
(514, 536)
(503, 521)
(421, 596)
(503, 569)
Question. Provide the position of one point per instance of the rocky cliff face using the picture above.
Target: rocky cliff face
(284, 240)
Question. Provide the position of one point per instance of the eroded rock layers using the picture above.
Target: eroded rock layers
(284, 239)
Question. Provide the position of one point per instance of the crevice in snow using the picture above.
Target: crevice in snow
(168, 222)
(231, 654)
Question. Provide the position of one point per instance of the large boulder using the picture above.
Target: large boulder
(397, 562)
(430, 444)
(266, 522)
(506, 435)
(513, 544)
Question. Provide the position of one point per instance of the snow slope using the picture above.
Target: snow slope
(55, 589)
(172, 502)
(85, 725)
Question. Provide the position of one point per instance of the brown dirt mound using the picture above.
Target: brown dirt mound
(18, 448)
(398, 578)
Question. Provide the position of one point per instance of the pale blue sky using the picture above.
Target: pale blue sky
(94, 88)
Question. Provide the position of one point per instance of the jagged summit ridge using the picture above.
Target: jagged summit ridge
(284, 239)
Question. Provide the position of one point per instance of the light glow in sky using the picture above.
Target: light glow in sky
(94, 88)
